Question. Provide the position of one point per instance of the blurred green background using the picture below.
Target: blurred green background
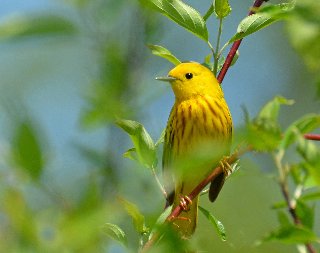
(69, 68)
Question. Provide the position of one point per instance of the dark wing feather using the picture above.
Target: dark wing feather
(216, 186)
(218, 182)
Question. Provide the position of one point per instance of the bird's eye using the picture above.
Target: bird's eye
(189, 75)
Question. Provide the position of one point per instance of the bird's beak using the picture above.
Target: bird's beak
(166, 78)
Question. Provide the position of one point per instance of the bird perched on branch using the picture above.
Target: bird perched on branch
(198, 135)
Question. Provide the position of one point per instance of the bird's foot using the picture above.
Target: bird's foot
(185, 202)
(226, 167)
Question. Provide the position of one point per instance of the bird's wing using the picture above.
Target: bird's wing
(217, 184)
(167, 162)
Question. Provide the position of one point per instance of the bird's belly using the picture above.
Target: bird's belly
(199, 139)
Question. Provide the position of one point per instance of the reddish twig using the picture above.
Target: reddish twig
(235, 46)
(313, 137)
(195, 192)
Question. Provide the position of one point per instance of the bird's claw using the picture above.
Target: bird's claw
(226, 167)
(185, 202)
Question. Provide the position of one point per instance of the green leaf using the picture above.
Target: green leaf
(142, 141)
(209, 12)
(277, 10)
(304, 33)
(279, 205)
(207, 62)
(252, 24)
(222, 8)
(216, 223)
(160, 221)
(310, 153)
(81, 229)
(161, 138)
(182, 14)
(305, 214)
(266, 126)
(292, 235)
(313, 196)
(168, 238)
(235, 58)
(207, 59)
(137, 218)
(20, 214)
(131, 154)
(308, 150)
(303, 125)
(35, 25)
(298, 174)
(268, 132)
(164, 53)
(115, 232)
(221, 61)
(265, 17)
(163, 216)
(271, 110)
(27, 150)
(283, 218)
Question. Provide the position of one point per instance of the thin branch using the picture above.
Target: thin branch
(291, 204)
(193, 194)
(228, 60)
(217, 55)
(293, 213)
(291, 207)
(310, 248)
(212, 49)
(313, 137)
(235, 46)
(222, 49)
(164, 193)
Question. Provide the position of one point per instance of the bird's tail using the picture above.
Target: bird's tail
(186, 222)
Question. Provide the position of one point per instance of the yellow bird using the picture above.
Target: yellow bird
(199, 124)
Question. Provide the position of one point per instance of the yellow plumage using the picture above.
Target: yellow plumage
(199, 123)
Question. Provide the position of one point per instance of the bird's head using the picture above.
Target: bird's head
(191, 79)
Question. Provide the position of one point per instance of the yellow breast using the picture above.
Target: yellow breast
(202, 119)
